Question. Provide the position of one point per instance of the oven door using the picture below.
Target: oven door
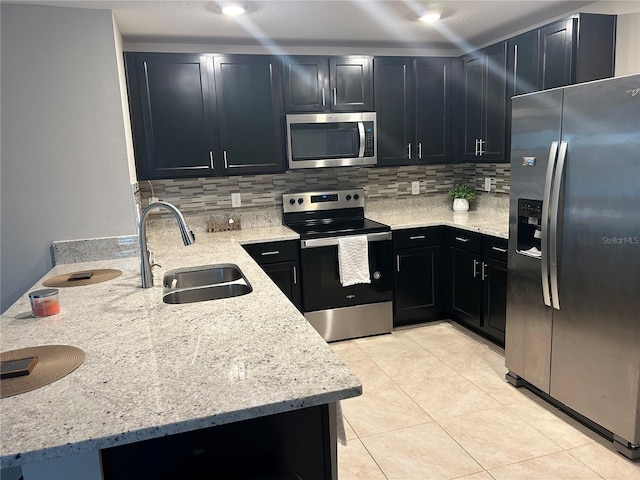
(321, 287)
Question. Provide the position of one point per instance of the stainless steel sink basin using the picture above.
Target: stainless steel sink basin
(199, 284)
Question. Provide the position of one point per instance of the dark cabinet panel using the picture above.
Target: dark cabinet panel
(472, 96)
(173, 119)
(394, 106)
(466, 286)
(412, 106)
(494, 295)
(317, 84)
(249, 113)
(281, 261)
(557, 53)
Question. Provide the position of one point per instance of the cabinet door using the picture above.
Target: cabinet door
(394, 102)
(493, 122)
(466, 286)
(173, 119)
(432, 109)
(416, 286)
(306, 84)
(556, 43)
(351, 83)
(473, 88)
(286, 276)
(249, 108)
(494, 296)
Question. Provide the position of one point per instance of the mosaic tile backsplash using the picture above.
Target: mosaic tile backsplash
(210, 198)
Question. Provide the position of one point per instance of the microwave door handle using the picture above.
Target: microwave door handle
(361, 132)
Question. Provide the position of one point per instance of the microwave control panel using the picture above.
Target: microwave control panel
(368, 139)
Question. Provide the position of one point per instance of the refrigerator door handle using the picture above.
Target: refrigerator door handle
(553, 230)
(544, 237)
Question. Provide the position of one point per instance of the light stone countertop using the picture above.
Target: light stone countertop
(154, 369)
(486, 221)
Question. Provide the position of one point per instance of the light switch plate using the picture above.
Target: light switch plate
(415, 188)
(235, 200)
(487, 184)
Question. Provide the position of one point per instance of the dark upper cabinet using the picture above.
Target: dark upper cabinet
(481, 112)
(173, 115)
(191, 121)
(249, 113)
(412, 106)
(577, 49)
(318, 84)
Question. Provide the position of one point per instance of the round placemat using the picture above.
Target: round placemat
(99, 275)
(54, 362)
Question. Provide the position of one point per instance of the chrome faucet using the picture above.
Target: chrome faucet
(145, 261)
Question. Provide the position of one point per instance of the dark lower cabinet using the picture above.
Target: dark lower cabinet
(290, 445)
(417, 276)
(476, 278)
(281, 261)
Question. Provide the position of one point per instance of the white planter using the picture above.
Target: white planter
(460, 205)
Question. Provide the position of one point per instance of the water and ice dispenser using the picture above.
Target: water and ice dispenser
(529, 227)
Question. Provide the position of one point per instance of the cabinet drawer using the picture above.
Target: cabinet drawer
(464, 240)
(494, 247)
(416, 237)
(273, 252)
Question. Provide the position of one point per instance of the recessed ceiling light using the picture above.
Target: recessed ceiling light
(233, 10)
(430, 17)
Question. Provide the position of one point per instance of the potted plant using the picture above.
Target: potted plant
(461, 197)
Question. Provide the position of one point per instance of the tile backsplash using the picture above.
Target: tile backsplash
(261, 195)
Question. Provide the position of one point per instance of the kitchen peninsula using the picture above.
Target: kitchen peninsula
(155, 370)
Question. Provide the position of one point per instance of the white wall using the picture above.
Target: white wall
(628, 44)
(64, 170)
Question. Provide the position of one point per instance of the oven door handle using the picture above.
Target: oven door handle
(331, 241)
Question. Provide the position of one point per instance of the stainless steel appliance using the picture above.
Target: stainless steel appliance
(573, 301)
(338, 312)
(331, 139)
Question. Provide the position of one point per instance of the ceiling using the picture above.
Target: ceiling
(318, 23)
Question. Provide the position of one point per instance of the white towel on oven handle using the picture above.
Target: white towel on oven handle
(353, 260)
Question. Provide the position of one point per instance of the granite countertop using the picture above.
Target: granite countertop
(154, 369)
(486, 221)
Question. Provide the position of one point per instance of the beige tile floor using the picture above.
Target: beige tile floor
(435, 405)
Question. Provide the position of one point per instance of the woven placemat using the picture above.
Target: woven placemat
(99, 275)
(54, 362)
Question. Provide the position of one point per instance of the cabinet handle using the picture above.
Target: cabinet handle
(475, 153)
(295, 276)
(398, 263)
(498, 249)
(461, 239)
(418, 237)
(335, 96)
(481, 151)
(274, 252)
(211, 158)
(322, 93)
(483, 272)
(475, 268)
(419, 150)
(224, 156)
(409, 149)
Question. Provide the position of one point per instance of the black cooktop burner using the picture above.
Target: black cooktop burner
(337, 227)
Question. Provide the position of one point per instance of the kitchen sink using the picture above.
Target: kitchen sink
(199, 284)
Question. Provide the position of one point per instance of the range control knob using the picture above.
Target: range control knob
(356, 196)
(300, 200)
(292, 201)
(348, 197)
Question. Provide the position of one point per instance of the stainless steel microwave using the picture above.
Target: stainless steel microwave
(331, 139)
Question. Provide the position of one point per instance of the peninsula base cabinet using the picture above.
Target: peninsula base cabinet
(476, 277)
(291, 445)
(281, 261)
(416, 276)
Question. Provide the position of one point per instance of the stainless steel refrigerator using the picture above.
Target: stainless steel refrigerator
(573, 299)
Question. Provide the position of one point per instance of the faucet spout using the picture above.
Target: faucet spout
(145, 263)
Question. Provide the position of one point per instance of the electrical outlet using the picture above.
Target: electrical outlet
(236, 200)
(415, 188)
(487, 184)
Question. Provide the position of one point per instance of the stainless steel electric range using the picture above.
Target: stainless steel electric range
(340, 312)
